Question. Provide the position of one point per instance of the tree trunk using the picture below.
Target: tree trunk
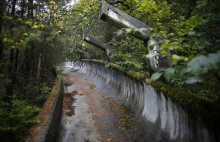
(26, 71)
(34, 63)
(27, 52)
(9, 87)
(13, 7)
(30, 9)
(2, 7)
(39, 66)
(12, 50)
(16, 60)
(1, 44)
(22, 8)
(17, 50)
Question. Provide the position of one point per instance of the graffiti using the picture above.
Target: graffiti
(154, 61)
(156, 58)
(114, 75)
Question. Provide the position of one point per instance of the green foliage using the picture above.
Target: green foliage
(16, 118)
(185, 33)
(202, 99)
(204, 64)
(156, 75)
(43, 93)
(190, 37)
(30, 46)
(195, 70)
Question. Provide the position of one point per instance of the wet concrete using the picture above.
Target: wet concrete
(97, 116)
(81, 122)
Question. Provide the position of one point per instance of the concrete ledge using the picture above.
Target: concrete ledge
(46, 130)
(99, 44)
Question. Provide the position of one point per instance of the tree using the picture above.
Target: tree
(28, 37)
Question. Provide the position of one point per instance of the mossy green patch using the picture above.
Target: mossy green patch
(195, 99)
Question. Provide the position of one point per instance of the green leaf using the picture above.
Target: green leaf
(129, 30)
(194, 67)
(151, 47)
(204, 61)
(169, 73)
(156, 75)
(120, 32)
(214, 59)
(192, 80)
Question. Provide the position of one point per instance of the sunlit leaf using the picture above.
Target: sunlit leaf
(25, 34)
(34, 27)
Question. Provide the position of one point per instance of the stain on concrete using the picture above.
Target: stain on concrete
(93, 119)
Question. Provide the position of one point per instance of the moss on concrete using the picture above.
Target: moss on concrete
(196, 99)
(200, 100)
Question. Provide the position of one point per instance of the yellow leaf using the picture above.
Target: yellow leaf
(10, 18)
(20, 20)
(25, 34)
(28, 23)
(52, 2)
(42, 26)
(5, 40)
(34, 27)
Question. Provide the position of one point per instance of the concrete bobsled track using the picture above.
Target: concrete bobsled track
(94, 109)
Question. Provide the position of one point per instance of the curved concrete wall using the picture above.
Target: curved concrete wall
(162, 119)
